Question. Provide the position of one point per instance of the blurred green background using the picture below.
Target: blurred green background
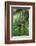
(20, 22)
